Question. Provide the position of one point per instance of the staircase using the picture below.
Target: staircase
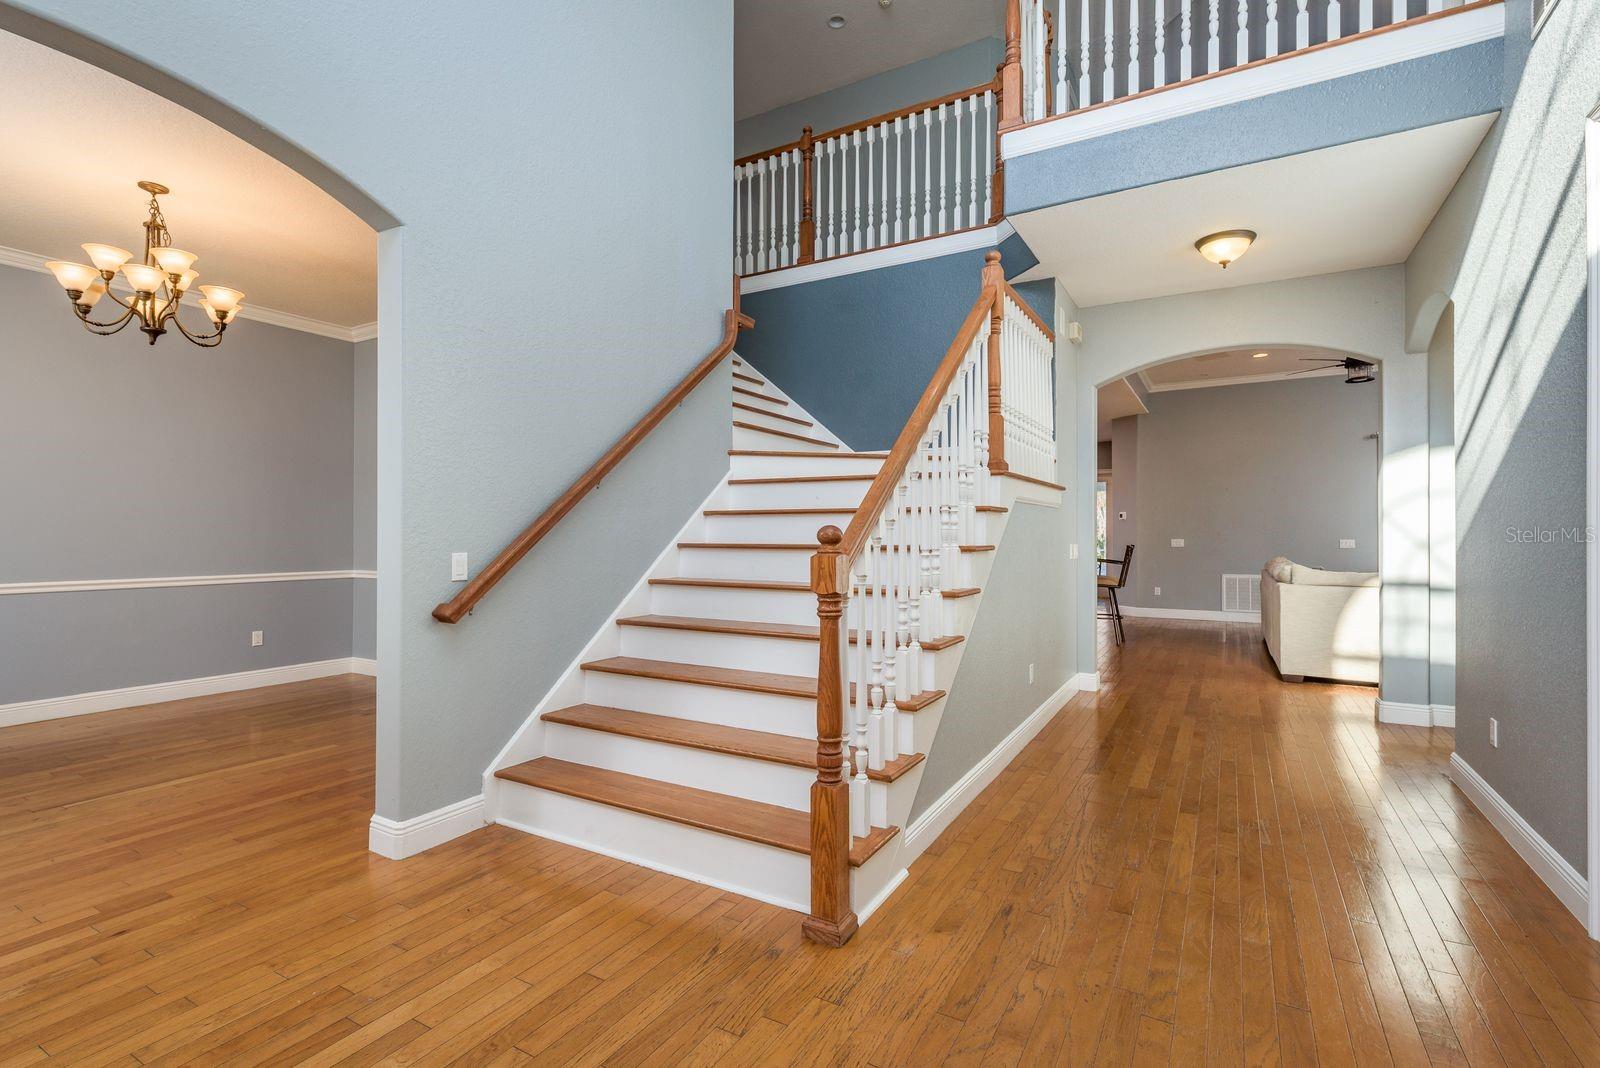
(686, 736)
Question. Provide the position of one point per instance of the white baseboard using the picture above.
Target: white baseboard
(1191, 613)
(1551, 867)
(363, 665)
(1406, 714)
(944, 811)
(81, 704)
(400, 839)
(1087, 681)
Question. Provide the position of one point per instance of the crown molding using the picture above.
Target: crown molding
(32, 261)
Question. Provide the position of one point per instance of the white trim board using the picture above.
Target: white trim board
(1350, 56)
(32, 261)
(81, 704)
(1409, 714)
(9, 589)
(399, 839)
(875, 259)
(1135, 612)
(1552, 869)
(943, 812)
(1591, 549)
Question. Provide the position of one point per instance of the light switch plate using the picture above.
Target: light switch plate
(1347, 543)
(255, 638)
(1158, 591)
(458, 567)
(1177, 543)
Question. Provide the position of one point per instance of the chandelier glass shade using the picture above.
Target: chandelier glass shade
(159, 282)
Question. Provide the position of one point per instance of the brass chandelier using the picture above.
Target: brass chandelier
(159, 282)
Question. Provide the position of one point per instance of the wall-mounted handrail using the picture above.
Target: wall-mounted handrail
(453, 610)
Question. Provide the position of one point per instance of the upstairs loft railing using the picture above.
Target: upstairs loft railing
(923, 171)
(1076, 54)
(988, 410)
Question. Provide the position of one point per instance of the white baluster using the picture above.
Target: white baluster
(1302, 26)
(738, 223)
(1365, 22)
(1061, 57)
(988, 154)
(1108, 77)
(1241, 43)
(1158, 61)
(860, 822)
(1036, 60)
(873, 553)
(1085, 86)
(891, 684)
(1272, 28)
(1214, 38)
(977, 164)
(944, 155)
(899, 198)
(1186, 39)
(1335, 19)
(782, 259)
(1133, 48)
(872, 194)
(855, 238)
(883, 180)
(761, 215)
(902, 597)
(955, 198)
(927, 172)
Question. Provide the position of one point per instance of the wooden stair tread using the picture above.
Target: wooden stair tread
(784, 434)
(796, 420)
(712, 737)
(977, 548)
(804, 686)
(779, 511)
(791, 546)
(1036, 481)
(992, 508)
(754, 821)
(967, 591)
(734, 584)
(743, 377)
(836, 455)
(760, 396)
(755, 629)
(799, 479)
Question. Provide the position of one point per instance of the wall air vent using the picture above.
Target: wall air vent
(1242, 594)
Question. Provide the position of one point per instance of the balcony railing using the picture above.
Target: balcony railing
(1080, 53)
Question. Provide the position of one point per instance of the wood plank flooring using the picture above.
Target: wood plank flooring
(1199, 864)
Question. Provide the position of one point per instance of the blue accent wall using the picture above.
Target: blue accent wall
(1400, 96)
(857, 351)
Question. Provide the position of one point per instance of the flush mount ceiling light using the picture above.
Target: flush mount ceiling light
(836, 22)
(159, 281)
(1259, 355)
(1225, 246)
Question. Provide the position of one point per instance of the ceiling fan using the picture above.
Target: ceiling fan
(1354, 370)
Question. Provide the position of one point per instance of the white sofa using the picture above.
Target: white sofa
(1322, 624)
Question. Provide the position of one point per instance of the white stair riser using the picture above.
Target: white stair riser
(750, 868)
(838, 463)
(744, 438)
(757, 780)
(797, 495)
(721, 602)
(774, 565)
(781, 656)
(787, 529)
(768, 417)
(774, 713)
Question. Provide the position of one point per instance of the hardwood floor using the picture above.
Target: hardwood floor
(1197, 864)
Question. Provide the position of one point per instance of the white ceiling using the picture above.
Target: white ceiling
(785, 51)
(81, 138)
(1114, 400)
(1363, 204)
(1233, 366)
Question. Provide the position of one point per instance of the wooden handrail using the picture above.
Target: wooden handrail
(905, 446)
(887, 116)
(458, 606)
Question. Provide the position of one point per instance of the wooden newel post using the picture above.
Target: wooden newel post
(994, 281)
(808, 223)
(997, 209)
(1011, 69)
(832, 921)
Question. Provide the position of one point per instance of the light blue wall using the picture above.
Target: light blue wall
(856, 351)
(1507, 248)
(1401, 96)
(120, 460)
(971, 64)
(502, 143)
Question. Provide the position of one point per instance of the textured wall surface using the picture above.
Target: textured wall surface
(364, 500)
(521, 173)
(123, 460)
(1508, 250)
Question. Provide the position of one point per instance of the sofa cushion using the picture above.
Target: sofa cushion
(1280, 568)
(1313, 576)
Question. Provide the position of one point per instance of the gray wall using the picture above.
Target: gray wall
(1029, 613)
(1123, 525)
(1242, 474)
(857, 351)
(364, 500)
(123, 460)
(1507, 248)
(490, 410)
(971, 64)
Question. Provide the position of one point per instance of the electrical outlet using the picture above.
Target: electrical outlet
(458, 567)
(1347, 543)
(1494, 732)
(1177, 543)
(1122, 515)
(1072, 551)
(1030, 674)
(1158, 591)
(255, 638)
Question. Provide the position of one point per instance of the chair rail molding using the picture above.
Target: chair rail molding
(10, 589)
